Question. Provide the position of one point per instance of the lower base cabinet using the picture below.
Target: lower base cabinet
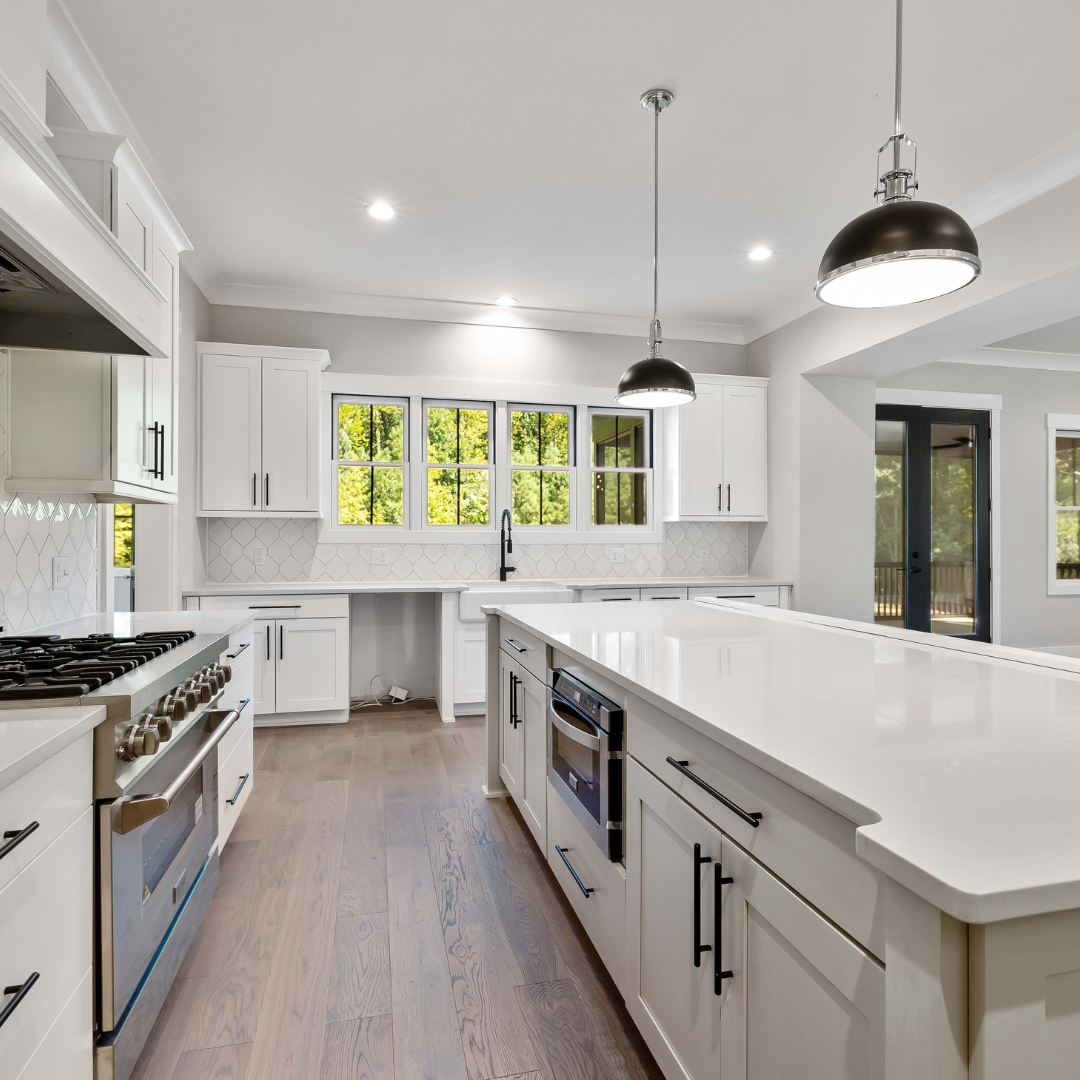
(523, 742)
(236, 777)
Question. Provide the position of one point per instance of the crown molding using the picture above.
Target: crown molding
(993, 356)
(456, 311)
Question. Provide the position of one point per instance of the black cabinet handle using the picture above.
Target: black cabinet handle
(719, 976)
(751, 819)
(281, 642)
(729, 498)
(15, 837)
(269, 634)
(266, 504)
(562, 855)
(514, 645)
(161, 462)
(20, 992)
(699, 861)
(254, 489)
(720, 498)
(234, 655)
(514, 719)
(236, 795)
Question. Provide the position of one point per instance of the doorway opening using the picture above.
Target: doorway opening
(932, 520)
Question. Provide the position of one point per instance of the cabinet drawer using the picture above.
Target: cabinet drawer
(242, 684)
(664, 593)
(47, 926)
(54, 794)
(600, 596)
(802, 842)
(68, 1050)
(281, 605)
(529, 651)
(240, 642)
(237, 732)
(766, 595)
(603, 911)
(232, 785)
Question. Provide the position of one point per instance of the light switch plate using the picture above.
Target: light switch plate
(61, 572)
(617, 554)
(380, 556)
(258, 556)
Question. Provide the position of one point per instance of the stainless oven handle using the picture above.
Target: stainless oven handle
(571, 732)
(139, 809)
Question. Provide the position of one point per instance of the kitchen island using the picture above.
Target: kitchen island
(850, 851)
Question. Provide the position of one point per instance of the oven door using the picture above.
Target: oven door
(145, 874)
(579, 767)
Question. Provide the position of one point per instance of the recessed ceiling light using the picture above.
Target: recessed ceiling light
(382, 211)
(760, 253)
(506, 301)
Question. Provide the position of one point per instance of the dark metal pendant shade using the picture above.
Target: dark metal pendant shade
(656, 382)
(938, 246)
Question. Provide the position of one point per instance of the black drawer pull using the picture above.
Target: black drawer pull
(20, 992)
(562, 855)
(751, 819)
(514, 645)
(718, 975)
(699, 861)
(243, 780)
(234, 655)
(15, 837)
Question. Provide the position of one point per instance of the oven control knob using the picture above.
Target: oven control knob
(215, 677)
(137, 742)
(223, 671)
(162, 725)
(175, 706)
(200, 689)
(191, 699)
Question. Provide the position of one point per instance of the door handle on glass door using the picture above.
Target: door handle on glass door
(914, 569)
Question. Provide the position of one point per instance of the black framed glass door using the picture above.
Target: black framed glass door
(932, 520)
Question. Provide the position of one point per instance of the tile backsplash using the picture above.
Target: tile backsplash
(293, 553)
(33, 531)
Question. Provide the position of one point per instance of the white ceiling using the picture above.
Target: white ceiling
(509, 137)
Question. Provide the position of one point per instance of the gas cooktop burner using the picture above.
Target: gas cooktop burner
(52, 666)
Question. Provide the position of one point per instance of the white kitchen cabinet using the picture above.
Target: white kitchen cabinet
(258, 430)
(672, 855)
(523, 741)
(716, 452)
(265, 661)
(511, 737)
(803, 999)
(606, 596)
(470, 666)
(312, 673)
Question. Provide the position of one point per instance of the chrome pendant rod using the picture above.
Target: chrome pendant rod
(656, 215)
(899, 79)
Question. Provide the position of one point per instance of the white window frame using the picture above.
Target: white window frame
(475, 406)
(570, 412)
(1057, 424)
(360, 532)
(502, 394)
(649, 472)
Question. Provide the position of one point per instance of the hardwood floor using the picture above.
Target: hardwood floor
(379, 919)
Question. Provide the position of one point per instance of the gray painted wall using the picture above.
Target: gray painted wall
(1029, 617)
(408, 347)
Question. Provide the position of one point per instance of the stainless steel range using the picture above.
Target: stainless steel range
(155, 787)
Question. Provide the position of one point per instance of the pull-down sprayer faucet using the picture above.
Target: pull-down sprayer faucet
(506, 544)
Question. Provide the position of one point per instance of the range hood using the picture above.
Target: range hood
(38, 311)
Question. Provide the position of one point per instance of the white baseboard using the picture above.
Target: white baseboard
(294, 719)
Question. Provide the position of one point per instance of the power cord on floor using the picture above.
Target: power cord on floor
(374, 699)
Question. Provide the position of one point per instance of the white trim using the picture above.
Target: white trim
(27, 110)
(1056, 423)
(279, 352)
(937, 399)
(997, 356)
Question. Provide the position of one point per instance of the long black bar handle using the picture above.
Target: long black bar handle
(266, 502)
(720, 498)
(281, 642)
(243, 780)
(161, 462)
(20, 992)
(269, 634)
(513, 700)
(254, 489)
(699, 861)
(562, 855)
(752, 819)
(718, 931)
(15, 837)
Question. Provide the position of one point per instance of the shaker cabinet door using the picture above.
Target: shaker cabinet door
(804, 1000)
(312, 665)
(265, 664)
(230, 463)
(511, 733)
(744, 451)
(672, 857)
(133, 451)
(532, 798)
(700, 454)
(290, 435)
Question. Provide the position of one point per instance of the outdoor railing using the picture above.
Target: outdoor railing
(952, 589)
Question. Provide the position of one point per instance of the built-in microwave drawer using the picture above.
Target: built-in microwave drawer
(529, 651)
(801, 841)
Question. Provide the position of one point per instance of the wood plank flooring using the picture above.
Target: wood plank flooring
(379, 919)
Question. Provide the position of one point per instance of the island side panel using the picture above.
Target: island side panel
(494, 788)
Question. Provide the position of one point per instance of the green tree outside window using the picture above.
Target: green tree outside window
(540, 438)
(369, 432)
(458, 437)
(123, 534)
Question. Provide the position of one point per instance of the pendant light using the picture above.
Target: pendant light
(903, 251)
(656, 382)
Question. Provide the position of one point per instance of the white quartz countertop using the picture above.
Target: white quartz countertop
(960, 765)
(128, 624)
(30, 736)
(276, 588)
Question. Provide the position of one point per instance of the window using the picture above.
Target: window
(540, 461)
(1067, 505)
(621, 461)
(370, 461)
(457, 439)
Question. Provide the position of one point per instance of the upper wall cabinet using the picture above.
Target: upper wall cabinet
(716, 452)
(259, 430)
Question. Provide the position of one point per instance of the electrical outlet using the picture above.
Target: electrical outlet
(703, 552)
(380, 556)
(617, 554)
(258, 556)
(61, 572)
